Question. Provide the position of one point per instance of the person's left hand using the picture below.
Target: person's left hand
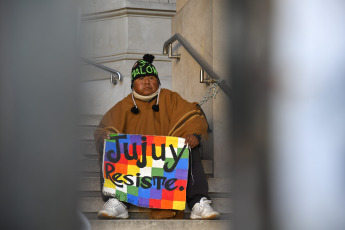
(191, 140)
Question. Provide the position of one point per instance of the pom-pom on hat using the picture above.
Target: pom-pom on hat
(144, 68)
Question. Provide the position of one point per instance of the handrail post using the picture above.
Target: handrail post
(177, 56)
(203, 79)
(114, 80)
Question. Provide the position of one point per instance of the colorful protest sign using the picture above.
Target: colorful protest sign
(147, 171)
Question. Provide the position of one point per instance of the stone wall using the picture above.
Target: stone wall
(201, 23)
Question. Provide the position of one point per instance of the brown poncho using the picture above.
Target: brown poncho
(176, 117)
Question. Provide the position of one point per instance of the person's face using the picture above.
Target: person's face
(146, 85)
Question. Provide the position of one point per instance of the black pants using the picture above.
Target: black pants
(197, 186)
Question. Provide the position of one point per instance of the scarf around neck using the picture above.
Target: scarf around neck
(145, 98)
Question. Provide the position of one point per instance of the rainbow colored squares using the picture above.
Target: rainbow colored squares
(147, 171)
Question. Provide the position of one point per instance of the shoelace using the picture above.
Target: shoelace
(110, 202)
(205, 202)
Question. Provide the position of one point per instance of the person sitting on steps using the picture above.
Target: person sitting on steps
(151, 110)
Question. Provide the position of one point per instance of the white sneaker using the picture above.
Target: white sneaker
(113, 209)
(203, 210)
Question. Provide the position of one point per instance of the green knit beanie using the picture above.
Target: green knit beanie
(144, 68)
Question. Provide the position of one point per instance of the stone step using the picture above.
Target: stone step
(87, 149)
(216, 185)
(86, 132)
(91, 166)
(144, 215)
(90, 120)
(141, 224)
(94, 204)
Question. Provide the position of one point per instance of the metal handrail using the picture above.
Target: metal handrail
(198, 59)
(111, 71)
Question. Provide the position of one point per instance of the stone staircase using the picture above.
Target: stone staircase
(91, 201)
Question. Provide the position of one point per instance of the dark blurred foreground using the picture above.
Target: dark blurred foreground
(286, 62)
(37, 119)
(287, 65)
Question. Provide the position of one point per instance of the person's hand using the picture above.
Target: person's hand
(105, 135)
(191, 140)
